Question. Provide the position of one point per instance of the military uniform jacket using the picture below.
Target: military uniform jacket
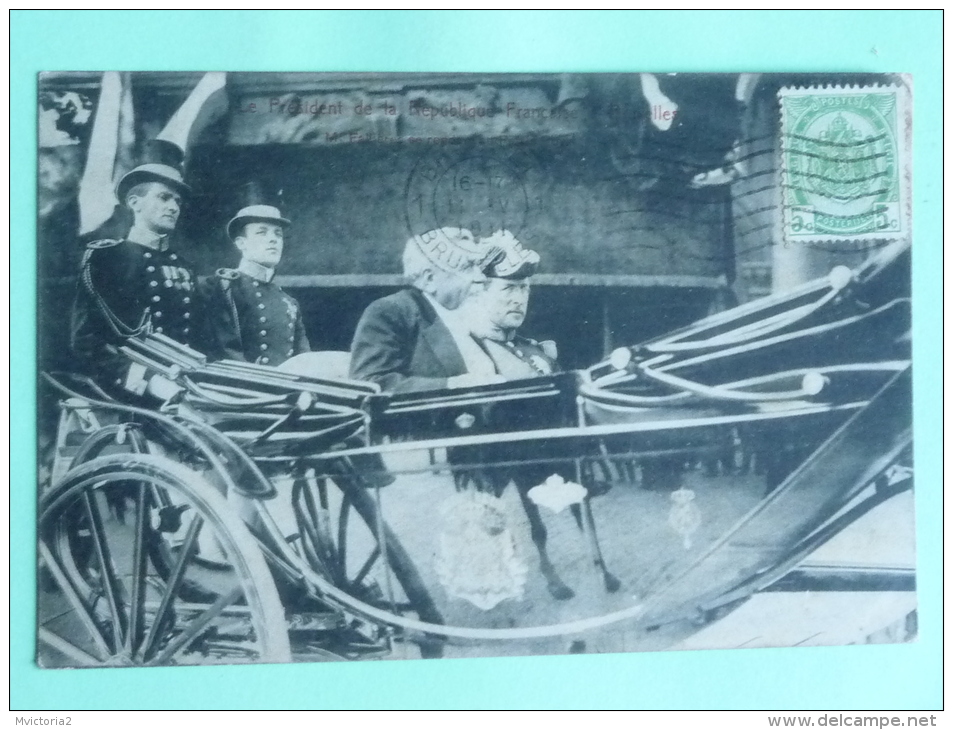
(253, 320)
(521, 357)
(124, 289)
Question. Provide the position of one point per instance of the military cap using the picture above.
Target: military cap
(509, 259)
(256, 205)
(162, 163)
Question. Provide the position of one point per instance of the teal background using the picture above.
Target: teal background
(894, 677)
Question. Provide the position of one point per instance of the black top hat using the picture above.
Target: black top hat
(256, 205)
(162, 162)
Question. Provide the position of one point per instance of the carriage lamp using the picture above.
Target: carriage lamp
(684, 517)
(620, 358)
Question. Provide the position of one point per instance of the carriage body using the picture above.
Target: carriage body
(254, 505)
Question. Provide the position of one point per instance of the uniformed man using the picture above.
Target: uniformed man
(497, 310)
(251, 318)
(138, 283)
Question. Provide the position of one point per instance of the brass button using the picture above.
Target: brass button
(264, 346)
(173, 256)
(159, 330)
(264, 361)
(153, 283)
(185, 331)
(258, 294)
(168, 283)
(186, 300)
(262, 319)
(158, 314)
(150, 269)
(187, 315)
(157, 298)
(261, 306)
(148, 254)
(264, 333)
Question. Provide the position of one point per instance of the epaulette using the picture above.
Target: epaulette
(228, 274)
(549, 349)
(104, 243)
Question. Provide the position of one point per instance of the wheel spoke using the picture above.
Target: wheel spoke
(137, 600)
(321, 526)
(107, 571)
(310, 542)
(197, 625)
(66, 648)
(368, 564)
(382, 542)
(82, 611)
(174, 608)
(172, 586)
(342, 533)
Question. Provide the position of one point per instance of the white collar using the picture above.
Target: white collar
(447, 315)
(256, 271)
(147, 238)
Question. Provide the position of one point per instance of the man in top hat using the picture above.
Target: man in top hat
(135, 284)
(415, 339)
(250, 317)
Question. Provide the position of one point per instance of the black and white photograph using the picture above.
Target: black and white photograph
(381, 366)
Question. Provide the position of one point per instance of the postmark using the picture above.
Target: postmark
(482, 188)
(845, 165)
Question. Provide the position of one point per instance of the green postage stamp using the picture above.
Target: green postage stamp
(845, 164)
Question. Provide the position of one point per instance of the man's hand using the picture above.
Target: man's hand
(470, 380)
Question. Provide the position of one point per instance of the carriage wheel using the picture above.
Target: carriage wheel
(342, 534)
(115, 607)
(72, 541)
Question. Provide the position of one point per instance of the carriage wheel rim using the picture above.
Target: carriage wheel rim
(268, 639)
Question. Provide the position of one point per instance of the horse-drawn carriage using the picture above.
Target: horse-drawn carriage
(229, 512)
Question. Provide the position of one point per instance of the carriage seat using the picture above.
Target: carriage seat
(326, 364)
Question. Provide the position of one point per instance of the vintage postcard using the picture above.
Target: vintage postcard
(397, 366)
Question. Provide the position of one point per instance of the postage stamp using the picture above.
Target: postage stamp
(845, 165)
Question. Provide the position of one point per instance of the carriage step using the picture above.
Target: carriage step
(315, 621)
